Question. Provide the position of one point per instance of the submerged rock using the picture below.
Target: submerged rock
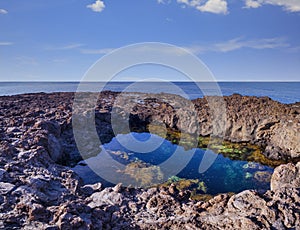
(263, 176)
(183, 184)
(143, 174)
(248, 175)
(252, 165)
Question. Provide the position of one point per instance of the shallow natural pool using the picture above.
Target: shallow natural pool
(148, 159)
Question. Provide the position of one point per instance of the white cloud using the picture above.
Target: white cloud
(6, 43)
(289, 5)
(252, 4)
(183, 2)
(3, 11)
(163, 1)
(214, 6)
(221, 6)
(211, 6)
(192, 3)
(98, 6)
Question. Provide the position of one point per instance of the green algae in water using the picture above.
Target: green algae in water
(194, 185)
(145, 174)
(235, 151)
(232, 171)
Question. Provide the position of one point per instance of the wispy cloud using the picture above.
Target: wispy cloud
(222, 47)
(239, 43)
(163, 1)
(98, 6)
(3, 11)
(96, 51)
(60, 60)
(294, 49)
(67, 47)
(25, 60)
(6, 43)
(137, 50)
(211, 6)
(288, 5)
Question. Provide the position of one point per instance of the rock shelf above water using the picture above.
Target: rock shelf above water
(37, 191)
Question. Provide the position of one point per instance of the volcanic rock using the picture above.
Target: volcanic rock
(38, 189)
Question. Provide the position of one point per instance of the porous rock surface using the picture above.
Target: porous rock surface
(38, 192)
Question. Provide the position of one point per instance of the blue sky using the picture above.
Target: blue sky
(239, 40)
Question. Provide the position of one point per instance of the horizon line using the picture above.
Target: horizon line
(229, 81)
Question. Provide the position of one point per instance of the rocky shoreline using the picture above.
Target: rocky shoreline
(38, 189)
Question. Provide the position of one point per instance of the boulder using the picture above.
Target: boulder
(287, 175)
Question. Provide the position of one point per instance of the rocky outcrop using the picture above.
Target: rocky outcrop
(46, 120)
(262, 121)
(38, 192)
(276, 209)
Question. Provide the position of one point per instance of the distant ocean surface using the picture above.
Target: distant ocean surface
(285, 92)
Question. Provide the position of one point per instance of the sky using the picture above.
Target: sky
(238, 40)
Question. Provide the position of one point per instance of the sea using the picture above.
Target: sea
(284, 92)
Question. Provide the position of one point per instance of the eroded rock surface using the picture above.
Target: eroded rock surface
(262, 121)
(38, 192)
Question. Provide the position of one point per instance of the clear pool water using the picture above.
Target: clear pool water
(224, 175)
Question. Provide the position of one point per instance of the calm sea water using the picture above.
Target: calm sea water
(285, 92)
